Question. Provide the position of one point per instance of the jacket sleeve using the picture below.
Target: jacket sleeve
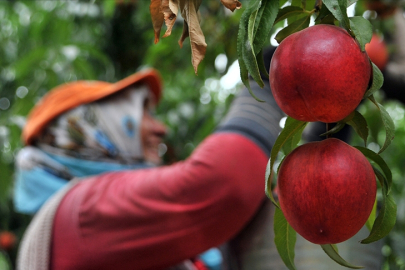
(153, 218)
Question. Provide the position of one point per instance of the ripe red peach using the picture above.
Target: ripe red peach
(326, 190)
(319, 74)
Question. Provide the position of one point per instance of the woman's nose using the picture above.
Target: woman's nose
(159, 128)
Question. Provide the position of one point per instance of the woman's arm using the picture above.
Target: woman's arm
(154, 218)
(150, 219)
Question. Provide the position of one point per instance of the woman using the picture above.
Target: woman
(86, 142)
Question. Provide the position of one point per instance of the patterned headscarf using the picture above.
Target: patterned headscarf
(105, 130)
(90, 139)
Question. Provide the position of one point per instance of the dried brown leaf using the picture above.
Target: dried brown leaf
(170, 8)
(189, 11)
(231, 4)
(184, 35)
(157, 17)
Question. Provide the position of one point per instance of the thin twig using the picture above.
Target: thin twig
(318, 5)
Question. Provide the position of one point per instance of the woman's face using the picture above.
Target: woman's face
(152, 133)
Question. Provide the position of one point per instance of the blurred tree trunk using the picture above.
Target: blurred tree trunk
(125, 43)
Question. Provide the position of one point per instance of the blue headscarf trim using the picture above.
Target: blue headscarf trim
(33, 187)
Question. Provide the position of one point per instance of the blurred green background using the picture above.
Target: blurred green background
(47, 43)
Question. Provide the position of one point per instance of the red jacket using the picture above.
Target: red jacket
(155, 218)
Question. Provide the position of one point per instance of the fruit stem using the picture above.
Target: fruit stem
(327, 129)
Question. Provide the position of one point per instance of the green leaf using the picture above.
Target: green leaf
(294, 3)
(261, 64)
(254, 30)
(288, 12)
(385, 220)
(362, 30)
(244, 74)
(380, 162)
(310, 5)
(356, 120)
(264, 22)
(249, 57)
(252, 26)
(371, 219)
(330, 19)
(261, 16)
(387, 122)
(284, 238)
(291, 128)
(292, 141)
(245, 47)
(241, 41)
(279, 166)
(294, 27)
(378, 80)
(339, 9)
(304, 4)
(268, 178)
(324, 16)
(339, 125)
(282, 2)
(359, 124)
(332, 252)
(381, 178)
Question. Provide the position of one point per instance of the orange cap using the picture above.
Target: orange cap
(68, 96)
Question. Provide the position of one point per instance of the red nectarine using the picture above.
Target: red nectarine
(377, 51)
(326, 190)
(319, 74)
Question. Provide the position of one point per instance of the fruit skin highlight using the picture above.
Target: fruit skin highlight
(326, 190)
(319, 74)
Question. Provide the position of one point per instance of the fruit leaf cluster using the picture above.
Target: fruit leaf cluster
(255, 27)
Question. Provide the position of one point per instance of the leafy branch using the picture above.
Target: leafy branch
(298, 18)
(255, 27)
